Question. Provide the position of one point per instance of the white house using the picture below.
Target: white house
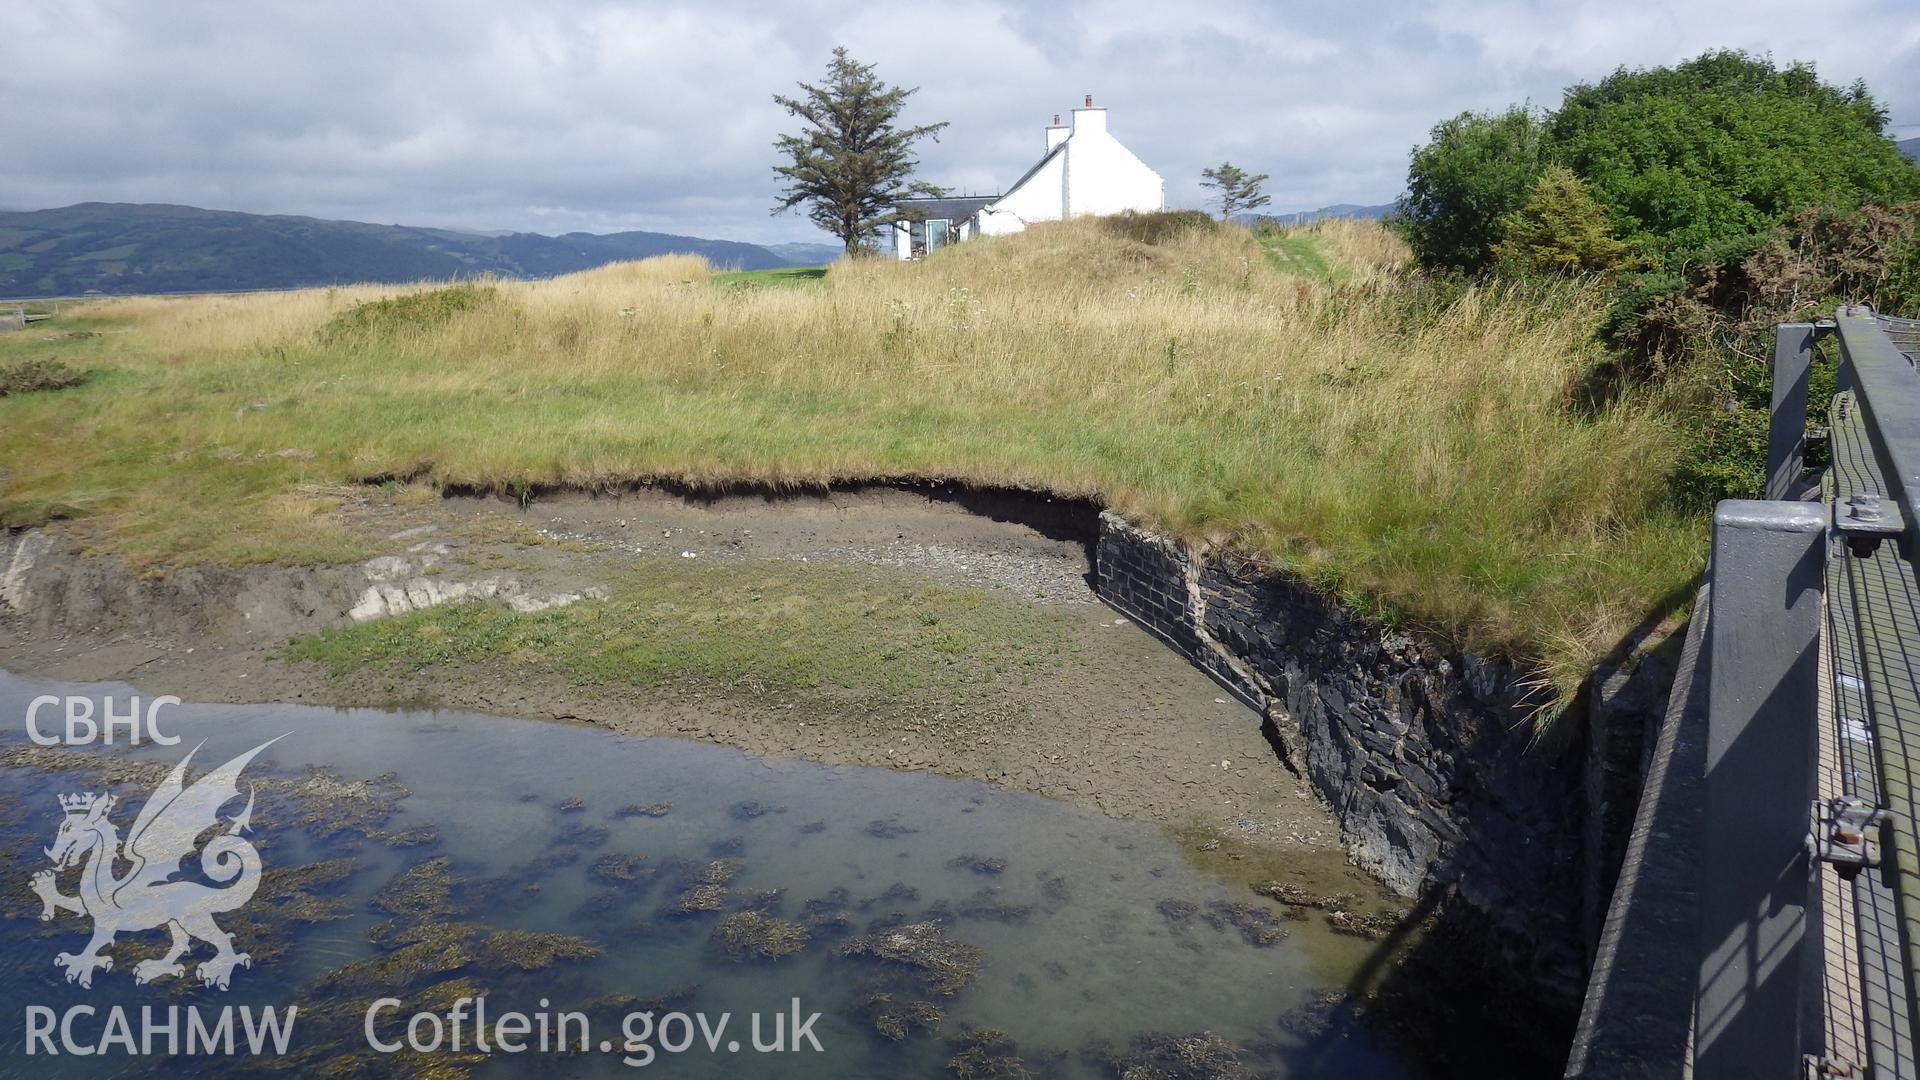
(1084, 171)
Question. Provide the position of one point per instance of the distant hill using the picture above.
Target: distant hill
(808, 254)
(152, 248)
(1337, 210)
(1910, 147)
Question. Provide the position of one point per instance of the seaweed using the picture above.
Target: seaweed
(422, 891)
(979, 864)
(706, 890)
(582, 836)
(749, 935)
(986, 904)
(895, 1019)
(752, 811)
(985, 1054)
(1257, 925)
(616, 869)
(946, 965)
(1200, 1055)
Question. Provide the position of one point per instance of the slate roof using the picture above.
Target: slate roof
(1038, 165)
(958, 208)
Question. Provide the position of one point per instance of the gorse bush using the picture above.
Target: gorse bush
(1158, 226)
(27, 376)
(408, 312)
(1562, 229)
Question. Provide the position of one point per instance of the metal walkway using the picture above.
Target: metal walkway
(1791, 849)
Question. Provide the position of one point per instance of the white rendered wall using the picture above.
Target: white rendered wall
(1102, 176)
(1041, 198)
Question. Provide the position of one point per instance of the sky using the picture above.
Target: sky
(604, 116)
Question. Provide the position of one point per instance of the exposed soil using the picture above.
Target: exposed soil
(1127, 727)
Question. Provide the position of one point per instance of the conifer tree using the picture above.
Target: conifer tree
(1236, 190)
(851, 163)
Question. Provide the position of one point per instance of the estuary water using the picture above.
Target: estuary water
(937, 927)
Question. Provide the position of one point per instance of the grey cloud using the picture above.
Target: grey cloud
(599, 115)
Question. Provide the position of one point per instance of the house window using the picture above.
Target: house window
(936, 234)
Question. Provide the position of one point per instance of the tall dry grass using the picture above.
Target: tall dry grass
(1409, 448)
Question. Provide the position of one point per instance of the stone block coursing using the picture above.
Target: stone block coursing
(1428, 759)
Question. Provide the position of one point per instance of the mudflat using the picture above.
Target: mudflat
(877, 627)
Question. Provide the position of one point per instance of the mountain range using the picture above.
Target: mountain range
(1301, 217)
(156, 248)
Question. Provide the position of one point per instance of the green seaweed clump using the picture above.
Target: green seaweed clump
(895, 1019)
(945, 964)
(616, 869)
(1257, 925)
(532, 950)
(708, 889)
(985, 1054)
(1197, 1056)
(1371, 927)
(748, 935)
(423, 891)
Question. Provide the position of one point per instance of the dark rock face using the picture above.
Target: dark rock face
(1430, 760)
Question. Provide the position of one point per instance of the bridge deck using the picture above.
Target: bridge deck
(1872, 612)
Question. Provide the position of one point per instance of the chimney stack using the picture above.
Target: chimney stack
(1089, 118)
(1057, 133)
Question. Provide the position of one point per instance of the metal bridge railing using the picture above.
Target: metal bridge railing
(1794, 870)
(1813, 635)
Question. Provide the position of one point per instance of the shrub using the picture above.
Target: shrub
(408, 311)
(1725, 145)
(1561, 230)
(1158, 226)
(1719, 323)
(1477, 169)
(27, 376)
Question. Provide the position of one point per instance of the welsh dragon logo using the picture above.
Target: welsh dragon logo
(145, 897)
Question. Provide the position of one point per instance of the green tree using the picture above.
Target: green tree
(1712, 155)
(1476, 169)
(850, 165)
(1562, 229)
(1236, 190)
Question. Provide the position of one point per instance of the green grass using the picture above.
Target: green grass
(779, 277)
(761, 627)
(1297, 253)
(1406, 445)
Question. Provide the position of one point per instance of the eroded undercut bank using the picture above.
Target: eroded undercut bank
(1503, 839)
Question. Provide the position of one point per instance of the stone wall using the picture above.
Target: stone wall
(1429, 759)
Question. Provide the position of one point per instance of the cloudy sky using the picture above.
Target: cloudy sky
(500, 114)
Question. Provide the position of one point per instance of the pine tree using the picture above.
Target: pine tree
(1561, 229)
(1237, 191)
(851, 165)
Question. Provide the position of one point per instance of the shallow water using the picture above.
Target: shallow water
(1086, 944)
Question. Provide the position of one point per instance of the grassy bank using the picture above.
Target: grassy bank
(1407, 446)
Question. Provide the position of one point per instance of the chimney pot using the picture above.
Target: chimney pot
(1056, 119)
(1089, 101)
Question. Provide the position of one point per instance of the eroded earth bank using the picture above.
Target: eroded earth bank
(921, 629)
(1047, 690)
